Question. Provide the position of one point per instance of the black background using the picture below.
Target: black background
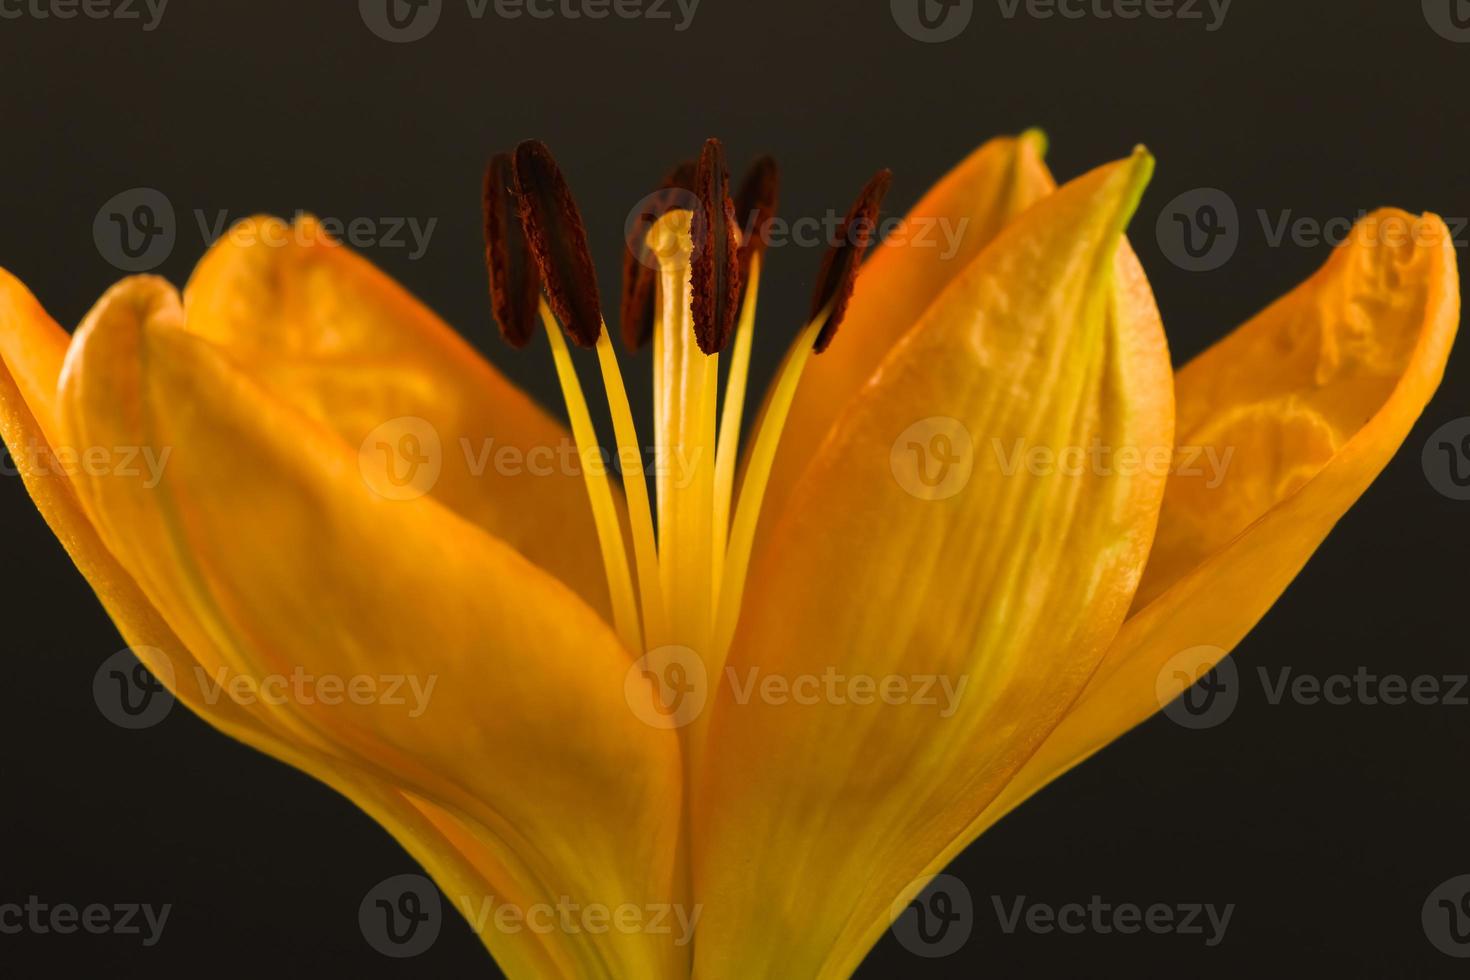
(1326, 826)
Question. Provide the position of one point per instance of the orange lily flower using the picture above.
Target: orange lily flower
(707, 701)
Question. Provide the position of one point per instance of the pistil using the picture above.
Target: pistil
(687, 580)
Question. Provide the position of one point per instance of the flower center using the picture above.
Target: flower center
(691, 288)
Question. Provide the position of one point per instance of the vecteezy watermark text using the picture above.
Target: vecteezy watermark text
(42, 918)
(670, 686)
(1125, 918)
(572, 918)
(1208, 462)
(136, 230)
(941, 233)
(405, 457)
(405, 21)
(940, 919)
(1211, 13)
(934, 21)
(1201, 229)
(401, 916)
(35, 456)
(304, 688)
(149, 12)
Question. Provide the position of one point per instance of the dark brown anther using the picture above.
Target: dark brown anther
(640, 264)
(840, 265)
(755, 207)
(558, 241)
(715, 265)
(515, 285)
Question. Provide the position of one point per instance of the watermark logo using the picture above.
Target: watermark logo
(934, 458)
(667, 687)
(135, 230)
(936, 923)
(1199, 230)
(138, 229)
(401, 916)
(401, 21)
(128, 694)
(1450, 19)
(1446, 917)
(1199, 687)
(402, 458)
(932, 21)
(1446, 459)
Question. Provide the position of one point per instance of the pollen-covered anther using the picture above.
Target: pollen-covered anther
(515, 284)
(840, 265)
(715, 275)
(640, 262)
(558, 241)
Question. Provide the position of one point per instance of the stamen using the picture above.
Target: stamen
(640, 266)
(755, 207)
(834, 288)
(692, 293)
(753, 487)
(840, 265)
(558, 239)
(731, 416)
(599, 490)
(635, 486)
(515, 285)
(716, 263)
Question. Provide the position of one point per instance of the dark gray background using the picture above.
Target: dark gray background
(1326, 826)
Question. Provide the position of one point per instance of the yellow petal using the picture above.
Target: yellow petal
(270, 557)
(960, 215)
(990, 593)
(1311, 399)
(321, 328)
(32, 346)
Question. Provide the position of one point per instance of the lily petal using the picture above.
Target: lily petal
(939, 237)
(32, 347)
(383, 590)
(996, 594)
(1310, 399)
(323, 329)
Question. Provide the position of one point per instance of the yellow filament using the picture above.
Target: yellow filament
(730, 417)
(753, 487)
(635, 485)
(599, 490)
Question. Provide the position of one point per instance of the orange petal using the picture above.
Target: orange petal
(271, 556)
(1303, 406)
(912, 557)
(324, 330)
(32, 346)
(939, 237)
